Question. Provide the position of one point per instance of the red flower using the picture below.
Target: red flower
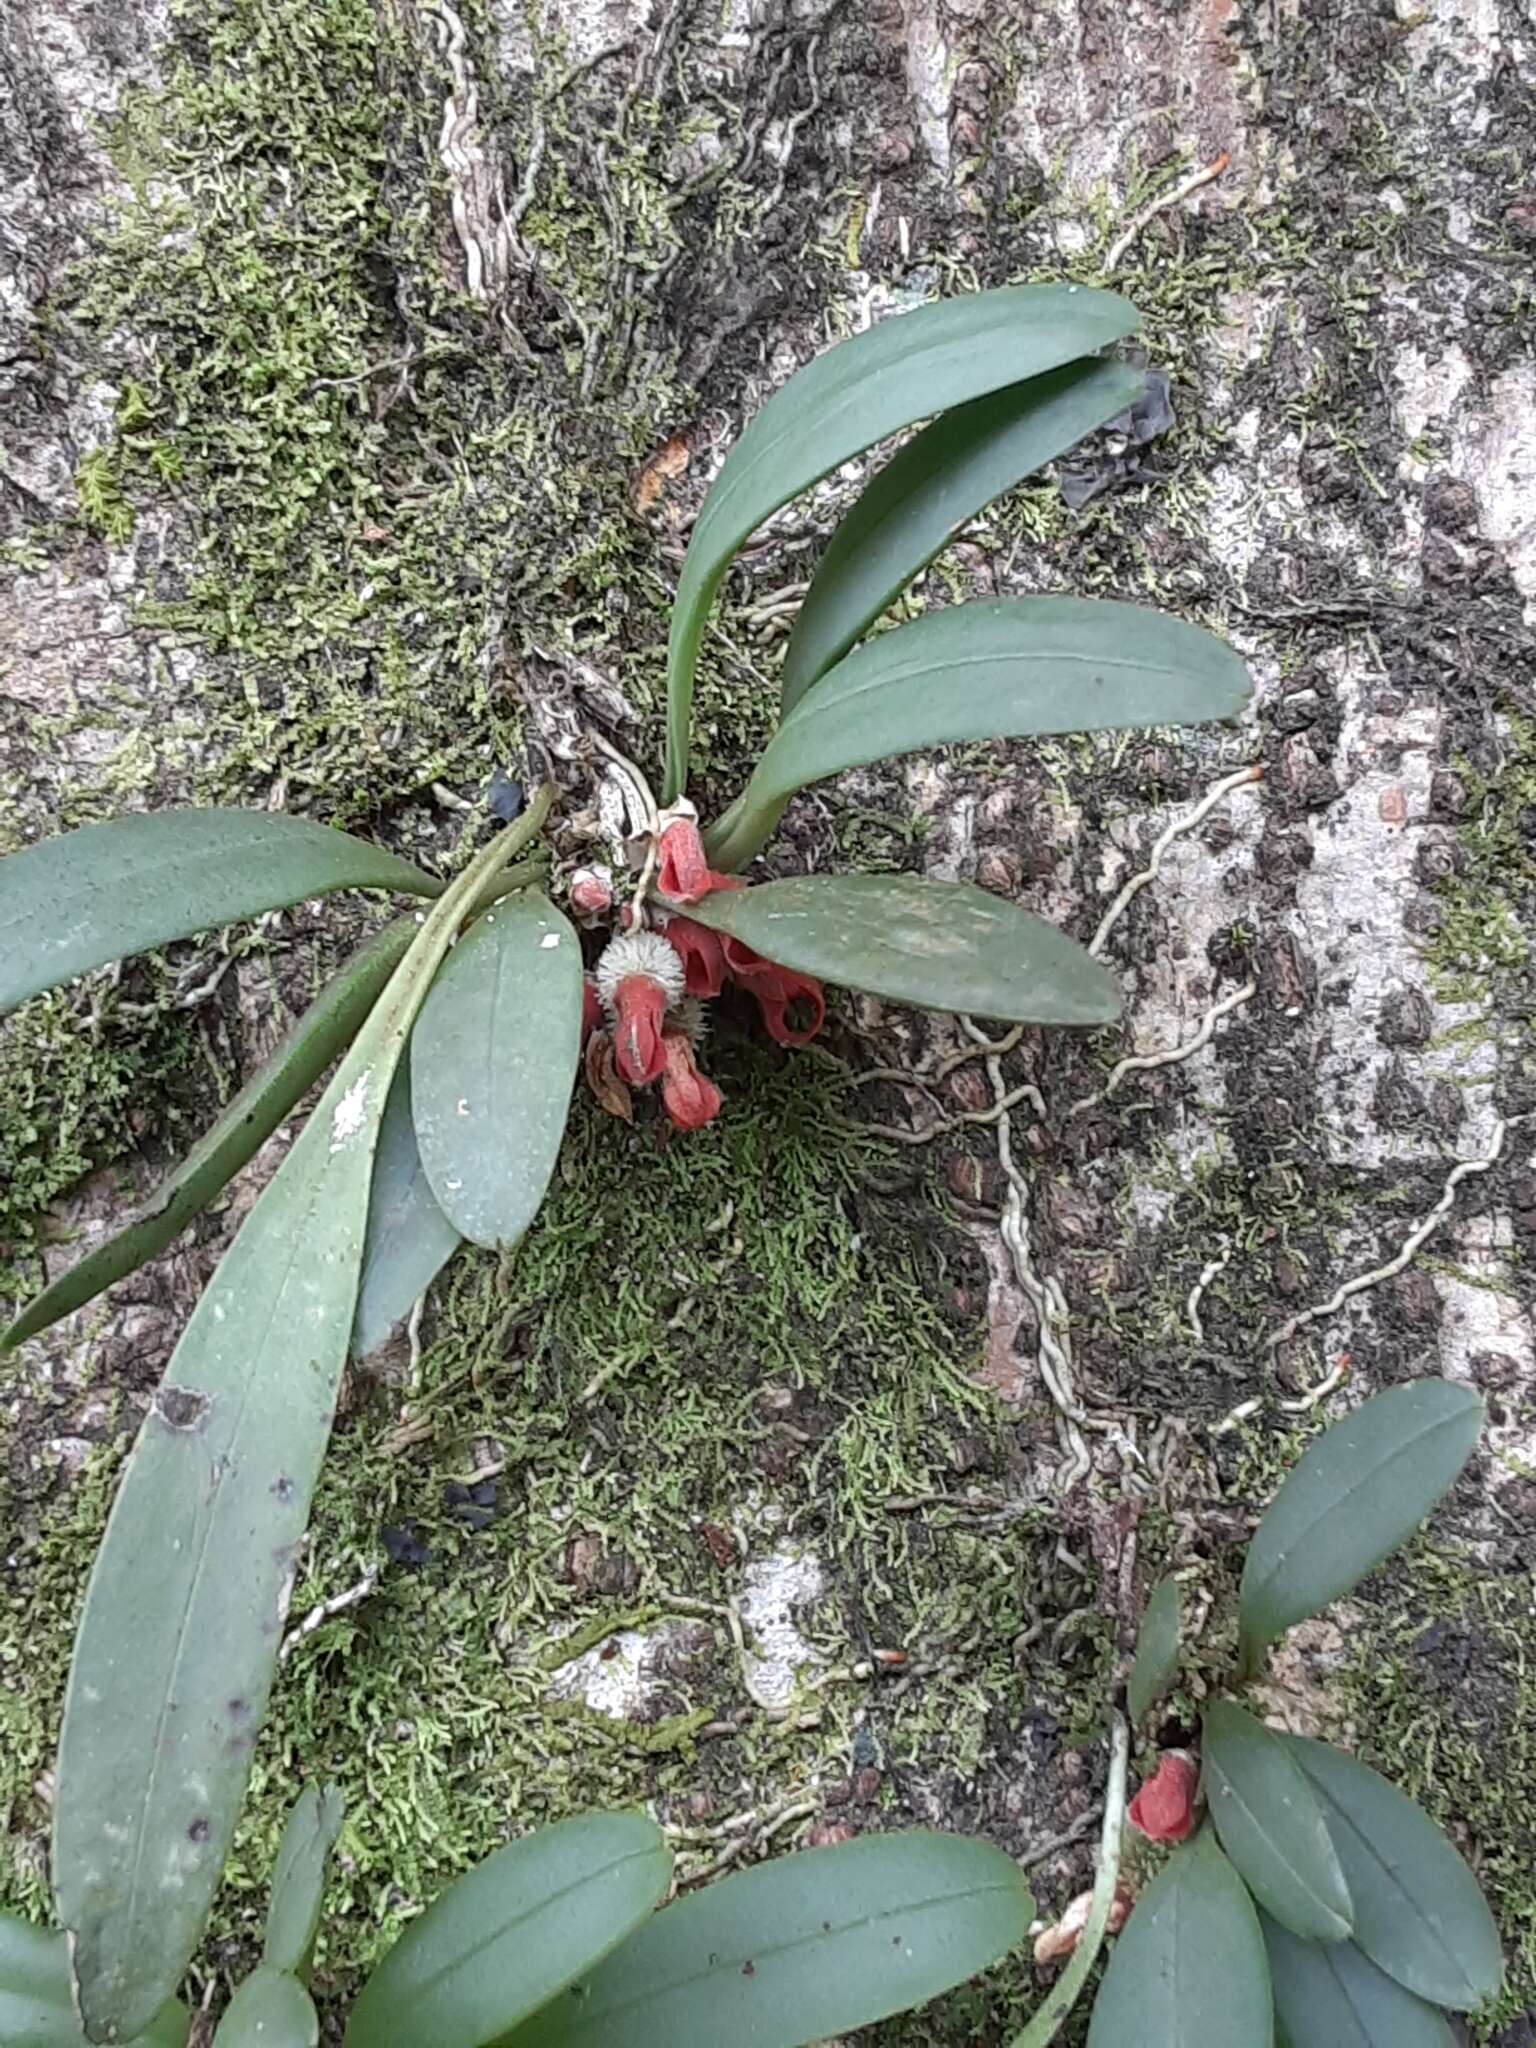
(1164, 1809)
(685, 874)
(690, 1098)
(701, 953)
(776, 988)
(639, 1005)
(776, 991)
(639, 978)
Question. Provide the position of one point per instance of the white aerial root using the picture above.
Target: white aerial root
(327, 1610)
(1213, 796)
(1146, 1062)
(1206, 175)
(1192, 1307)
(1395, 1265)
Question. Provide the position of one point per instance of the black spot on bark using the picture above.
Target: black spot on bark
(198, 1832)
(282, 1488)
(749, 1969)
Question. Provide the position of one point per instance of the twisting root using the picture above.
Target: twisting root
(1165, 839)
(1395, 1265)
(1146, 1062)
(1053, 1354)
(327, 1610)
(1204, 176)
(1192, 1307)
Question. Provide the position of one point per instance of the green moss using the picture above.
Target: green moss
(73, 1092)
(1481, 954)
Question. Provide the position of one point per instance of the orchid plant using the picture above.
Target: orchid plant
(1307, 1902)
(460, 1029)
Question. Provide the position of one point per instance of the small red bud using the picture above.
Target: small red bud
(1164, 1809)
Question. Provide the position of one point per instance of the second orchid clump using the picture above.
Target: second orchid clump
(643, 1016)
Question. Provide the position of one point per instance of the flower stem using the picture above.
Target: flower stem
(1053, 2015)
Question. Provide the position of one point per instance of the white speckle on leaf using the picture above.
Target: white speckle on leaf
(549, 939)
(463, 1105)
(351, 1112)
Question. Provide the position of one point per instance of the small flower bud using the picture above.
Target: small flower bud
(592, 892)
(1164, 1809)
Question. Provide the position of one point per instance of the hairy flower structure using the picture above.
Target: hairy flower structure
(640, 978)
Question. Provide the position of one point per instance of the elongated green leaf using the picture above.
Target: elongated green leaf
(184, 1611)
(1355, 1495)
(509, 1936)
(35, 2006)
(1189, 1971)
(799, 1949)
(1271, 1825)
(916, 504)
(298, 1880)
(1158, 1643)
(409, 1239)
(320, 1035)
(1334, 1997)
(1003, 669)
(492, 1064)
(905, 370)
(1418, 1912)
(95, 895)
(270, 2010)
(942, 945)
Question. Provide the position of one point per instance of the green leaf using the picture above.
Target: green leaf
(1271, 1825)
(851, 396)
(298, 1880)
(492, 1065)
(1418, 1912)
(512, 1933)
(409, 1239)
(325, 1029)
(270, 2010)
(919, 501)
(1006, 668)
(1334, 1997)
(1355, 1495)
(1189, 1971)
(95, 895)
(941, 945)
(185, 1607)
(1158, 1643)
(799, 1949)
(35, 2006)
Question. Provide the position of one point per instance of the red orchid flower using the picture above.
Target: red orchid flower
(776, 992)
(684, 873)
(701, 953)
(690, 1098)
(776, 988)
(639, 978)
(1164, 1809)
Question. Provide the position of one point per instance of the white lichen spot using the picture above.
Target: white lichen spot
(351, 1112)
(776, 1586)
